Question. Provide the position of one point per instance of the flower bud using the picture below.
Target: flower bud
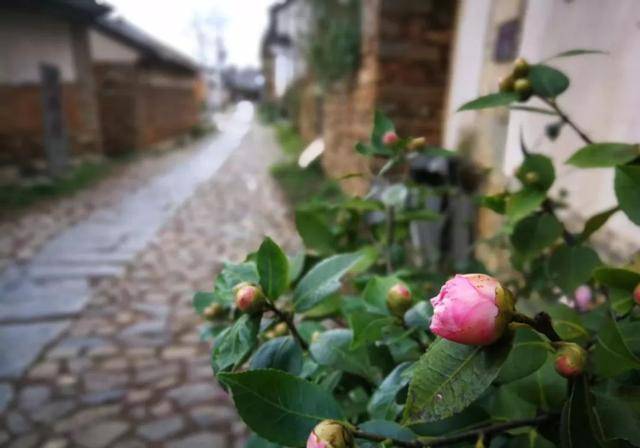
(583, 296)
(531, 178)
(417, 143)
(281, 329)
(636, 294)
(570, 359)
(523, 88)
(506, 84)
(249, 298)
(520, 68)
(330, 434)
(399, 299)
(213, 311)
(472, 309)
(389, 138)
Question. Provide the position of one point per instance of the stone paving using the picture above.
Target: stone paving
(130, 369)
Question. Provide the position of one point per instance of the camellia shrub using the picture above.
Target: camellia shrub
(353, 342)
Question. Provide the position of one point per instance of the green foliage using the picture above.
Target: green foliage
(327, 346)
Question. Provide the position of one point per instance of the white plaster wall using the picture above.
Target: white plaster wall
(467, 66)
(107, 49)
(604, 96)
(28, 40)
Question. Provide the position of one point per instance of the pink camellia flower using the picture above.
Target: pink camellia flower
(330, 434)
(471, 309)
(636, 294)
(249, 298)
(389, 138)
(583, 297)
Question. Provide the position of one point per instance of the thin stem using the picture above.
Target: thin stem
(464, 436)
(541, 323)
(391, 230)
(566, 119)
(288, 320)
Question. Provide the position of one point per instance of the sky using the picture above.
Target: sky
(172, 21)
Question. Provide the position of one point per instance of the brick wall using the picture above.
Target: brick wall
(406, 47)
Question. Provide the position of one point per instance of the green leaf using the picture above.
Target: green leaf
(471, 417)
(533, 234)
(381, 125)
(281, 353)
(504, 403)
(617, 278)
(233, 345)
(315, 231)
(523, 203)
(496, 202)
(604, 155)
(577, 52)
(323, 280)
(579, 426)
(449, 376)
(437, 151)
(333, 349)
(544, 388)
(375, 293)
(546, 81)
(273, 269)
(611, 355)
(536, 172)
(383, 403)
(368, 327)
(419, 315)
(201, 300)
(230, 276)
(528, 354)
(627, 188)
(571, 266)
(618, 418)
(296, 266)
(491, 100)
(384, 428)
(568, 323)
(280, 407)
(594, 223)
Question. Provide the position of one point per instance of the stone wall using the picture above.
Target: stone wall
(405, 53)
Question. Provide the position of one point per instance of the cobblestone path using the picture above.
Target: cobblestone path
(130, 370)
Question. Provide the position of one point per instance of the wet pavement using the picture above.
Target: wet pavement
(99, 345)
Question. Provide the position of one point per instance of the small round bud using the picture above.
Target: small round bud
(523, 88)
(583, 298)
(330, 434)
(399, 299)
(417, 143)
(249, 298)
(520, 68)
(281, 329)
(213, 311)
(531, 177)
(506, 84)
(389, 138)
(636, 294)
(570, 359)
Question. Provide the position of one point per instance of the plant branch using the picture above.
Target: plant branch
(288, 320)
(566, 119)
(541, 323)
(464, 436)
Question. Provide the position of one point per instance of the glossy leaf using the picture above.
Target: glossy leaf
(594, 223)
(323, 280)
(384, 428)
(383, 403)
(273, 269)
(315, 231)
(572, 266)
(333, 349)
(375, 293)
(579, 426)
(568, 323)
(533, 234)
(234, 344)
(296, 266)
(202, 299)
(523, 203)
(627, 188)
(619, 419)
(449, 376)
(544, 388)
(528, 354)
(546, 81)
(419, 315)
(280, 407)
(491, 100)
(611, 355)
(368, 327)
(617, 278)
(604, 155)
(282, 353)
(230, 276)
